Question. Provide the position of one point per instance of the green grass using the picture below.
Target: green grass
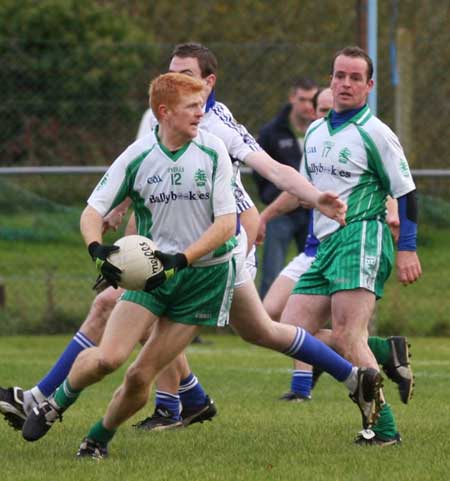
(255, 437)
(47, 274)
(48, 288)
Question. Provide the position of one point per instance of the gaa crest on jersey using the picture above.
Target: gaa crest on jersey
(200, 178)
(344, 155)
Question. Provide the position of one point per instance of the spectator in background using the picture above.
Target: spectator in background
(282, 138)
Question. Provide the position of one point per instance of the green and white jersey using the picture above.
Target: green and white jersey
(176, 196)
(361, 160)
(218, 120)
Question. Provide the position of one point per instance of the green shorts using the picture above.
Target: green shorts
(358, 255)
(195, 295)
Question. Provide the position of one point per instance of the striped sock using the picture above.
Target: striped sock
(191, 392)
(169, 401)
(307, 348)
(48, 384)
(301, 382)
(65, 395)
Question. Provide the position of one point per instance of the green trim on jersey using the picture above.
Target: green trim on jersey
(358, 119)
(367, 200)
(174, 156)
(362, 117)
(143, 216)
(212, 154)
(374, 158)
(230, 244)
(126, 187)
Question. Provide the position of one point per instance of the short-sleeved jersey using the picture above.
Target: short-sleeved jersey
(176, 196)
(218, 120)
(361, 160)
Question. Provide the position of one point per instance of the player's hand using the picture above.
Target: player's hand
(172, 263)
(408, 267)
(115, 217)
(112, 221)
(99, 254)
(261, 234)
(330, 205)
(393, 223)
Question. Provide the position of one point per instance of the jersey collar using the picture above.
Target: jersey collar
(172, 155)
(210, 101)
(342, 119)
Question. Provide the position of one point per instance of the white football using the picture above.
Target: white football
(136, 260)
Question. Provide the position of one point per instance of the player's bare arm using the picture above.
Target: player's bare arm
(114, 218)
(392, 218)
(218, 233)
(91, 225)
(283, 204)
(288, 179)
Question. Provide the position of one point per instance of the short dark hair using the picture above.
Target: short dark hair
(316, 96)
(207, 61)
(355, 52)
(304, 83)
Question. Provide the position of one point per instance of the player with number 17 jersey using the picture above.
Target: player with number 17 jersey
(362, 160)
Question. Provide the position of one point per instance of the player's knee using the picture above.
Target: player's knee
(341, 343)
(257, 338)
(103, 305)
(107, 364)
(272, 310)
(137, 381)
(101, 308)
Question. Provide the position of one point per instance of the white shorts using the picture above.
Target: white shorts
(297, 267)
(250, 262)
(244, 270)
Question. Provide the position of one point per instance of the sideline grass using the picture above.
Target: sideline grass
(255, 437)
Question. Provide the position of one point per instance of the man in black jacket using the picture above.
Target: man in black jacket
(282, 138)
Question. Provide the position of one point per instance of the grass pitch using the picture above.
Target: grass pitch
(255, 437)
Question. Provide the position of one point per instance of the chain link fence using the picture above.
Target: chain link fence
(73, 95)
(71, 98)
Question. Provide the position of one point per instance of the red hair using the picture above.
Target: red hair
(169, 88)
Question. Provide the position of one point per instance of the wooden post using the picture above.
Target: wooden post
(361, 24)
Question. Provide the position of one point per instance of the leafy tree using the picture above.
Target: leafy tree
(68, 79)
